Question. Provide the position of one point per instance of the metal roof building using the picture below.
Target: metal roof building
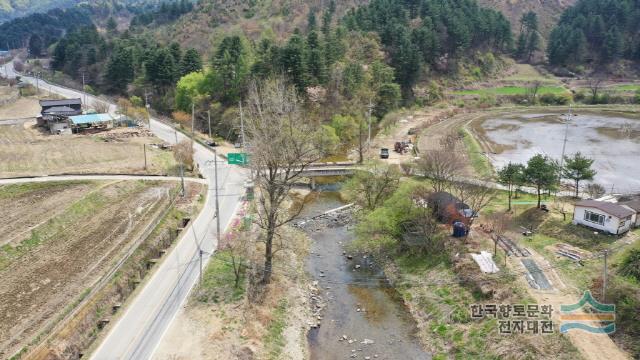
(90, 119)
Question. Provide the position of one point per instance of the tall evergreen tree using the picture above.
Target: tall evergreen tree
(120, 70)
(232, 67)
(293, 62)
(35, 45)
(191, 62)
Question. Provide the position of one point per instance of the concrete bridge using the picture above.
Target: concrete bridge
(328, 169)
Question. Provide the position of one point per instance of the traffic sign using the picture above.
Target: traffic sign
(237, 159)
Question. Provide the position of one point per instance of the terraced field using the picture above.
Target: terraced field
(58, 239)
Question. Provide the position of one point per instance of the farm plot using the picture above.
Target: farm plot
(25, 150)
(58, 239)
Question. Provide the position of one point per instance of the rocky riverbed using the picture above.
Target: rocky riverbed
(356, 313)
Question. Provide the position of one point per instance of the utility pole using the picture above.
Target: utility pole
(215, 175)
(604, 277)
(147, 106)
(144, 148)
(84, 94)
(37, 85)
(193, 120)
(201, 252)
(566, 132)
(175, 132)
(209, 120)
(241, 125)
(369, 121)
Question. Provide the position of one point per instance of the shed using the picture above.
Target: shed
(74, 104)
(447, 207)
(609, 217)
(90, 120)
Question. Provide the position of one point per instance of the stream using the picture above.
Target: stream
(363, 317)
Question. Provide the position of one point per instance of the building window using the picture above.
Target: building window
(593, 217)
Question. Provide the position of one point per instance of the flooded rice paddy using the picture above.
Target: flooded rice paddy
(612, 140)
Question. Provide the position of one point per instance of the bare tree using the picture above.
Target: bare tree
(441, 167)
(594, 84)
(449, 142)
(423, 231)
(100, 106)
(476, 196)
(371, 186)
(183, 153)
(595, 190)
(238, 247)
(283, 143)
(498, 224)
(532, 90)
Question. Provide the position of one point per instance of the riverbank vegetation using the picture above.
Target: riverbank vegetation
(439, 282)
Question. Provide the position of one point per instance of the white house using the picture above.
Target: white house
(635, 205)
(604, 216)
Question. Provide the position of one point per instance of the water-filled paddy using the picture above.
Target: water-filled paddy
(613, 140)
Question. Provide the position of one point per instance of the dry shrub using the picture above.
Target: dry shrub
(183, 153)
(182, 118)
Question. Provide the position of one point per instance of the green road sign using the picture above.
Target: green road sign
(237, 159)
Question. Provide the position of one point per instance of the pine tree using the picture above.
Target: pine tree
(613, 44)
(120, 70)
(191, 62)
(176, 52)
(315, 62)
(293, 62)
(112, 25)
(35, 46)
(232, 68)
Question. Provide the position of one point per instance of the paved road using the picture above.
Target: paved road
(139, 330)
(23, 180)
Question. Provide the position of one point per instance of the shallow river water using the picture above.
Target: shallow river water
(612, 140)
(382, 317)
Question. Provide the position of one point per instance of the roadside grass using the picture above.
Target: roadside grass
(274, 338)
(480, 163)
(218, 281)
(511, 90)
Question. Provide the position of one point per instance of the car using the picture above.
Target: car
(384, 153)
(211, 143)
(412, 131)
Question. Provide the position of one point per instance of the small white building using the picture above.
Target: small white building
(604, 216)
(635, 205)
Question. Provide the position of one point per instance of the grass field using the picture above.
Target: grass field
(511, 90)
(479, 162)
(57, 249)
(26, 150)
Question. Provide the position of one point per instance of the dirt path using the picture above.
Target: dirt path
(591, 346)
(420, 120)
